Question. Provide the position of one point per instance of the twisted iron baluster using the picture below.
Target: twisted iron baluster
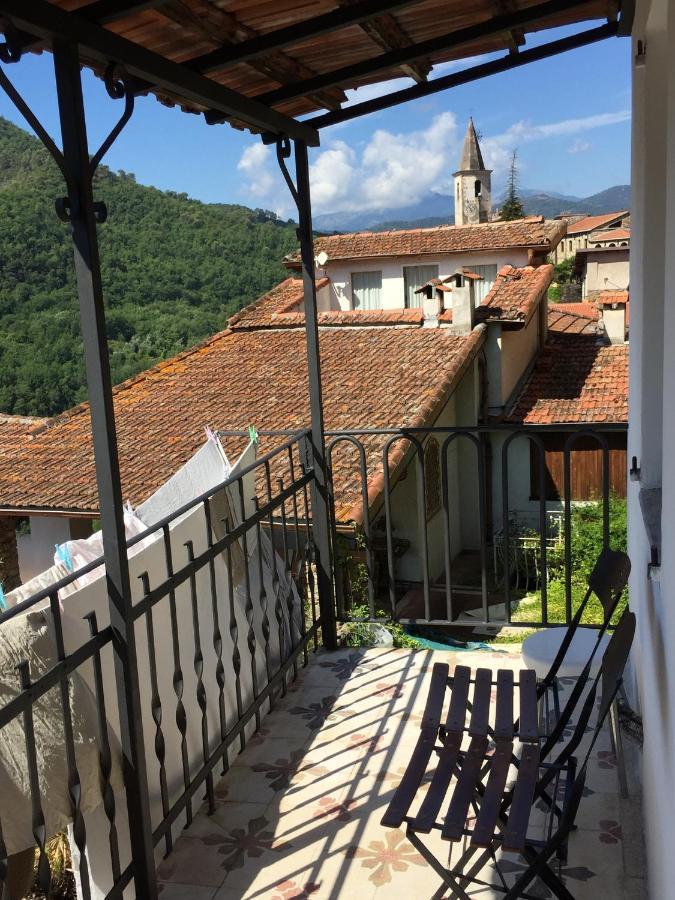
(198, 663)
(44, 875)
(309, 555)
(104, 754)
(278, 609)
(303, 626)
(288, 587)
(156, 707)
(248, 609)
(217, 636)
(234, 634)
(178, 681)
(74, 783)
(263, 600)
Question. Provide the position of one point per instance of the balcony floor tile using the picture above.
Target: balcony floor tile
(298, 814)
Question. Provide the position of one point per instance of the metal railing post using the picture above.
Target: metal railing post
(82, 213)
(320, 483)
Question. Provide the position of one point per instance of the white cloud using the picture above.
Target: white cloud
(254, 163)
(394, 169)
(579, 146)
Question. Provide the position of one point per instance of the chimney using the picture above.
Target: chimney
(432, 307)
(432, 301)
(463, 300)
(614, 315)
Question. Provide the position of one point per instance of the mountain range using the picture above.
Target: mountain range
(438, 209)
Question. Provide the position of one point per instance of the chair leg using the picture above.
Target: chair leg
(617, 747)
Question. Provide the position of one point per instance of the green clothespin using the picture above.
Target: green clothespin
(253, 435)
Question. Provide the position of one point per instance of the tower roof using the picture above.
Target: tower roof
(472, 158)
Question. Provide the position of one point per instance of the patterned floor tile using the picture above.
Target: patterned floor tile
(298, 814)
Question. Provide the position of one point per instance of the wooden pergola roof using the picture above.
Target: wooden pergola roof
(260, 64)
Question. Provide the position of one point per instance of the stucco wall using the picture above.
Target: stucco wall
(460, 409)
(36, 550)
(607, 272)
(652, 420)
(518, 349)
(393, 294)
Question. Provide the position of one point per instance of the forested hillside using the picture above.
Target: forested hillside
(173, 270)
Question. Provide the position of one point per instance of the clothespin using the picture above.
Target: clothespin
(3, 604)
(253, 435)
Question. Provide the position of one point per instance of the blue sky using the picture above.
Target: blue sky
(568, 117)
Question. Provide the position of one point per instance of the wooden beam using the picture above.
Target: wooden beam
(48, 22)
(346, 75)
(218, 26)
(386, 32)
(516, 35)
(293, 34)
(105, 11)
(474, 73)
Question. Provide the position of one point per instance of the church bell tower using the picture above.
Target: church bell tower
(473, 183)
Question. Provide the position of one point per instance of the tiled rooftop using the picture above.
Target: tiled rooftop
(298, 814)
(235, 379)
(563, 320)
(575, 379)
(15, 433)
(584, 309)
(591, 223)
(614, 234)
(515, 293)
(534, 232)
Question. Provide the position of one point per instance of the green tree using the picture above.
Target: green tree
(173, 269)
(512, 208)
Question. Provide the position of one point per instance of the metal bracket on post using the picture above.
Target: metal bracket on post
(320, 483)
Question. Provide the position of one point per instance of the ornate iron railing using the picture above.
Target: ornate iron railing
(214, 651)
(484, 474)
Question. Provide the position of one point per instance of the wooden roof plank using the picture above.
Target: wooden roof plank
(99, 44)
(455, 38)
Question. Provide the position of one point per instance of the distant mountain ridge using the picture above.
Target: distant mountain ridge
(437, 209)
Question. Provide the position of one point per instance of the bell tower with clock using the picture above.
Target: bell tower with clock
(473, 183)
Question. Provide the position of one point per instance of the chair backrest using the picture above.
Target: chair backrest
(607, 581)
(608, 680)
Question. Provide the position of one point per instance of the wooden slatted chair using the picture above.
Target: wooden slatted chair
(607, 582)
(502, 814)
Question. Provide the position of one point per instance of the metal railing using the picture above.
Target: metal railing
(485, 505)
(215, 649)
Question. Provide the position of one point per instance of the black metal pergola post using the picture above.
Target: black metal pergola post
(300, 191)
(83, 214)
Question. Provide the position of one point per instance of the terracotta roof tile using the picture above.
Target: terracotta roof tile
(515, 294)
(614, 234)
(236, 379)
(609, 298)
(577, 380)
(590, 223)
(532, 232)
(16, 432)
(561, 320)
(585, 309)
(279, 309)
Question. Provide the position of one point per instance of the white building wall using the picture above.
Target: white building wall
(652, 420)
(609, 273)
(393, 292)
(461, 410)
(36, 550)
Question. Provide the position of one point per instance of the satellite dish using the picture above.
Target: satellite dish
(321, 259)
